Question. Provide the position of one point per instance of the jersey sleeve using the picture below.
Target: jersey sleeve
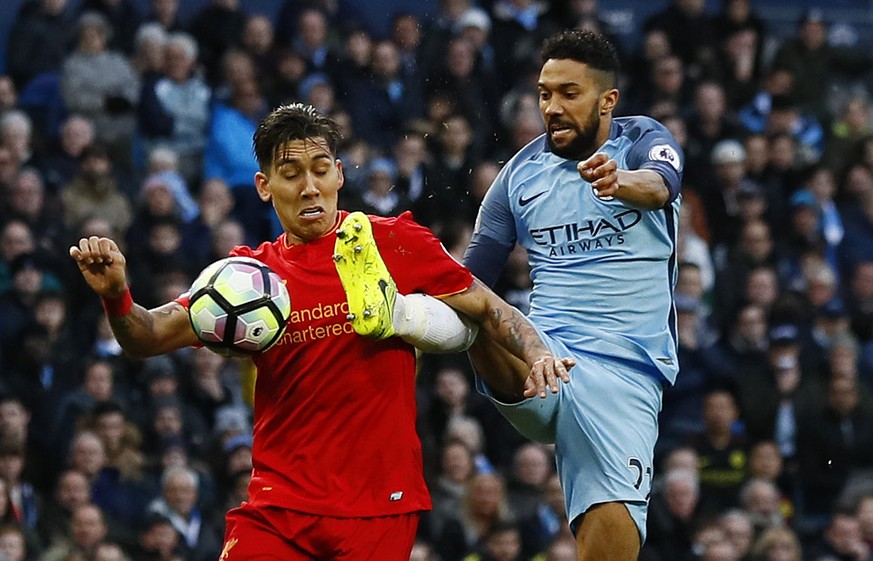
(657, 150)
(417, 259)
(494, 235)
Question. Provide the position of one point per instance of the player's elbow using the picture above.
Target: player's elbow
(659, 198)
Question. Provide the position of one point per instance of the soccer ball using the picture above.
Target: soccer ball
(238, 306)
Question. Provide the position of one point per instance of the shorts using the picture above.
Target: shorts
(604, 424)
(279, 534)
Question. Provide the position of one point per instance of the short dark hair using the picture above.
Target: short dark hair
(587, 47)
(287, 123)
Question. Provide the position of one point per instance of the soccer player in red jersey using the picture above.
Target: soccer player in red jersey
(337, 462)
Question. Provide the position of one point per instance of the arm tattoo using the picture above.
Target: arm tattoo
(133, 330)
(517, 333)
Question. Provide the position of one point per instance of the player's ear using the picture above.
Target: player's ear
(608, 101)
(341, 179)
(262, 184)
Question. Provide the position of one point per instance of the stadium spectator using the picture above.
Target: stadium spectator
(101, 85)
(484, 507)
(87, 529)
(739, 531)
(842, 539)
(760, 500)
(475, 96)
(17, 134)
(200, 541)
(174, 106)
(64, 157)
(98, 385)
(258, 42)
(548, 523)
(406, 33)
(29, 277)
(518, 28)
(166, 14)
(766, 463)
(229, 157)
(147, 59)
(689, 31)
(13, 544)
(16, 238)
(671, 523)
(121, 498)
(124, 18)
(30, 201)
(448, 175)
(95, 193)
(216, 27)
(778, 544)
(815, 62)
(38, 39)
(380, 197)
(708, 124)
(721, 450)
(71, 491)
(502, 543)
(448, 486)
(739, 61)
(833, 445)
(311, 40)
(158, 540)
(531, 468)
(381, 104)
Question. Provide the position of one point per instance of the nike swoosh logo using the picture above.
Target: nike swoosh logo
(383, 286)
(523, 202)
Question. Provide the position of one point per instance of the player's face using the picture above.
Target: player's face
(575, 107)
(303, 184)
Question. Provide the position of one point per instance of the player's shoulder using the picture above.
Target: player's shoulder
(261, 253)
(403, 220)
(635, 126)
(529, 151)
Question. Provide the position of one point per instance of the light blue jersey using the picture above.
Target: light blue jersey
(603, 272)
(603, 276)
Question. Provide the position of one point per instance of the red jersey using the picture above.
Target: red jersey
(334, 430)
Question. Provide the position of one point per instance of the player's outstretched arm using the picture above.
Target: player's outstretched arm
(510, 329)
(643, 188)
(140, 332)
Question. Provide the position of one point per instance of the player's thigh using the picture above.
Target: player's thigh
(607, 426)
(499, 368)
(535, 418)
(251, 535)
(607, 533)
(384, 538)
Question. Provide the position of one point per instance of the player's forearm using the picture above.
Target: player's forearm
(503, 323)
(642, 188)
(514, 332)
(144, 333)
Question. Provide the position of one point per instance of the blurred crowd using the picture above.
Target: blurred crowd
(129, 123)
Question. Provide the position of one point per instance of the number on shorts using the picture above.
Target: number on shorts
(635, 463)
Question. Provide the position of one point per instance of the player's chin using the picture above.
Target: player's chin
(565, 148)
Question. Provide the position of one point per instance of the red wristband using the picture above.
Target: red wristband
(119, 305)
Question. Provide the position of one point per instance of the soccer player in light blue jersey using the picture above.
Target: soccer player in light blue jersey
(595, 202)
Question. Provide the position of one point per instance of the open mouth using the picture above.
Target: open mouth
(311, 212)
(557, 130)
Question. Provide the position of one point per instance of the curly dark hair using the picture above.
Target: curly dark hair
(592, 49)
(287, 123)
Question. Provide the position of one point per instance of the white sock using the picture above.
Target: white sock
(431, 325)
